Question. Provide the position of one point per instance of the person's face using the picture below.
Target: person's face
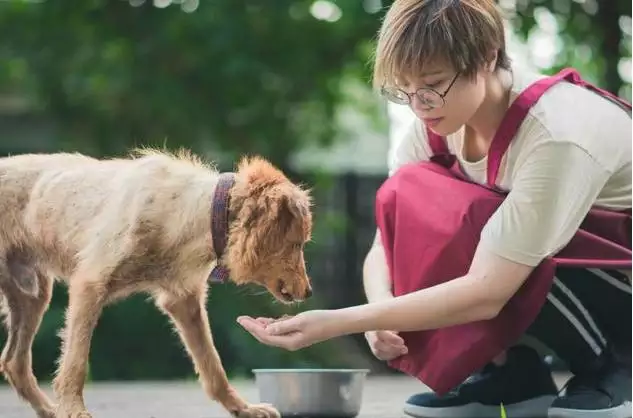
(442, 98)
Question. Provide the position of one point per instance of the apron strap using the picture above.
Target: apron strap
(512, 121)
(437, 143)
(518, 110)
(441, 154)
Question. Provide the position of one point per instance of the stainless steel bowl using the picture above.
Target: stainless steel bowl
(312, 392)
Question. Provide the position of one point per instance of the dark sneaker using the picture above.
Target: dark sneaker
(605, 394)
(524, 386)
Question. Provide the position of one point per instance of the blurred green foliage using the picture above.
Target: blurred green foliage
(592, 36)
(257, 76)
(233, 77)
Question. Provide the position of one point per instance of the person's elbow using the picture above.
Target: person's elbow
(496, 280)
(496, 290)
(490, 308)
(368, 258)
(374, 259)
(488, 304)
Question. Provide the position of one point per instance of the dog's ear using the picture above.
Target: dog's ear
(294, 215)
(298, 203)
(258, 173)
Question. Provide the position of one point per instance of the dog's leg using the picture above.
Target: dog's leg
(85, 303)
(23, 317)
(189, 315)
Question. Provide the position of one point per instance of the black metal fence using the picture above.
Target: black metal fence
(344, 226)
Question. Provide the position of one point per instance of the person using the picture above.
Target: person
(447, 60)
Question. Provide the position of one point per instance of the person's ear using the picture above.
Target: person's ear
(492, 61)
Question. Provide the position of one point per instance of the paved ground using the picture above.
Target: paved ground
(382, 398)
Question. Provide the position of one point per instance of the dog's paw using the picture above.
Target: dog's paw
(82, 414)
(260, 410)
(45, 413)
(72, 413)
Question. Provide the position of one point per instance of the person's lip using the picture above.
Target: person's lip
(432, 121)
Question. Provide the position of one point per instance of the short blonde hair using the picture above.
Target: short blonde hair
(414, 33)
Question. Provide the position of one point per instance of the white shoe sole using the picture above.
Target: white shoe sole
(622, 411)
(532, 408)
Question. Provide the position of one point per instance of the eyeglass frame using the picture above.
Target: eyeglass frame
(416, 93)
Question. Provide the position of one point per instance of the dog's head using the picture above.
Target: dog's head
(271, 221)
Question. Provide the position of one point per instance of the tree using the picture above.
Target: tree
(603, 28)
(258, 76)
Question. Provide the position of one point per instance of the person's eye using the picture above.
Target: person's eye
(435, 84)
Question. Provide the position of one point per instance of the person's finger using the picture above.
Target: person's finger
(250, 324)
(381, 355)
(389, 353)
(254, 328)
(249, 320)
(384, 346)
(264, 321)
(383, 352)
(389, 349)
(284, 326)
(388, 356)
(244, 318)
(289, 341)
(260, 319)
(390, 337)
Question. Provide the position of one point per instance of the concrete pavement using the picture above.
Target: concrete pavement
(382, 398)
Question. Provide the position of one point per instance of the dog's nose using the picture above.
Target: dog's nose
(308, 292)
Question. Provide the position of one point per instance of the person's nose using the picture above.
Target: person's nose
(418, 107)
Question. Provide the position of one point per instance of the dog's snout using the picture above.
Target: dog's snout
(308, 292)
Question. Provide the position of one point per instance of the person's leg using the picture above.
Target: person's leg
(586, 321)
(519, 379)
(523, 383)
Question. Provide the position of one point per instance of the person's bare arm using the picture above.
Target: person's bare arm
(376, 281)
(410, 146)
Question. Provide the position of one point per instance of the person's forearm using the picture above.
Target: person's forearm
(376, 281)
(479, 295)
(459, 301)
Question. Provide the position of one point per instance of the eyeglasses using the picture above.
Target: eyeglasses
(427, 96)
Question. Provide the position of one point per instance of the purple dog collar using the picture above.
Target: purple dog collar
(220, 225)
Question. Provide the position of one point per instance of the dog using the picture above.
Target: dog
(154, 222)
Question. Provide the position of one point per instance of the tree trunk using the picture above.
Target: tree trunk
(607, 20)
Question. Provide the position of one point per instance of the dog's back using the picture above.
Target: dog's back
(18, 176)
(69, 206)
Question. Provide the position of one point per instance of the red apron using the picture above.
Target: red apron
(430, 217)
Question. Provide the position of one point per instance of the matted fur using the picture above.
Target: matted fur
(110, 228)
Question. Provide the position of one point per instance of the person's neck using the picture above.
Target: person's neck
(486, 120)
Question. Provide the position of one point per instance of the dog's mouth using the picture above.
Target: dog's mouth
(284, 293)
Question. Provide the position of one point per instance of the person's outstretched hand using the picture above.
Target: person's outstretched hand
(386, 345)
(292, 333)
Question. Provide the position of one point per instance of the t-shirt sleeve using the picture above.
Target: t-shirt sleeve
(410, 147)
(552, 191)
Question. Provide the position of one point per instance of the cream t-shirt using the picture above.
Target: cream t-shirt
(572, 151)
